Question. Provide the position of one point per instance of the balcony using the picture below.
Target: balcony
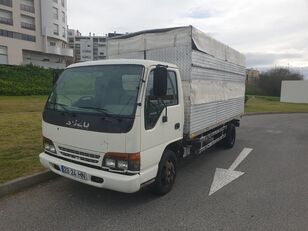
(27, 26)
(8, 21)
(6, 3)
(27, 8)
(60, 51)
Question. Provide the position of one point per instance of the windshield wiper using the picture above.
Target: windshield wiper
(59, 104)
(104, 111)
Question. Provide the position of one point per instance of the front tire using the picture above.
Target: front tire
(166, 174)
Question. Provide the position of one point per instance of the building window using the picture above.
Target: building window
(27, 5)
(55, 13)
(55, 29)
(6, 17)
(55, 1)
(3, 55)
(6, 2)
(63, 17)
(27, 22)
(63, 3)
(52, 44)
(64, 32)
(16, 35)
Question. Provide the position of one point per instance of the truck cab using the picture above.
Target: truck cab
(115, 124)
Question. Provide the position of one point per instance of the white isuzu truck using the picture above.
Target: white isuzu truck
(124, 123)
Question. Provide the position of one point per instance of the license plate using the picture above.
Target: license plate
(73, 172)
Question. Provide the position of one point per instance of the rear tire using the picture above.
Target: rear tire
(229, 140)
(166, 174)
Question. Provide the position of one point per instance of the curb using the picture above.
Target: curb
(272, 113)
(25, 182)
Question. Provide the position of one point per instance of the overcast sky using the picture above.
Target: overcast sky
(268, 32)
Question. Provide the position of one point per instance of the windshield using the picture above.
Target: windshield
(111, 90)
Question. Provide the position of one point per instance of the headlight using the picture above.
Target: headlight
(110, 163)
(49, 146)
(122, 161)
(122, 164)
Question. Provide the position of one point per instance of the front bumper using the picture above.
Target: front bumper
(113, 181)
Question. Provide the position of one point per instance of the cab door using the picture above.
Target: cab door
(162, 121)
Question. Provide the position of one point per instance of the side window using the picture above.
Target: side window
(172, 90)
(155, 106)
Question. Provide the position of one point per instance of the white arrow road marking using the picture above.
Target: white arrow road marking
(223, 177)
(240, 158)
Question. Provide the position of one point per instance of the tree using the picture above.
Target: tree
(270, 81)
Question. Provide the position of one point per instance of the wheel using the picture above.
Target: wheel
(166, 174)
(229, 140)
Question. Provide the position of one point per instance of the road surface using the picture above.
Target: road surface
(271, 195)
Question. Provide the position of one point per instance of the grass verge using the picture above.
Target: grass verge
(20, 136)
(272, 104)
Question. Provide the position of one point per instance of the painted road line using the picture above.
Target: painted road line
(223, 177)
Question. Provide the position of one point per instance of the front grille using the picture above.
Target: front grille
(78, 155)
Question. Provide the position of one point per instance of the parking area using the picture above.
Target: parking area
(271, 194)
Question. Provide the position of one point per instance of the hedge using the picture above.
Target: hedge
(25, 80)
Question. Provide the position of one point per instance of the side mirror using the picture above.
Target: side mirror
(160, 81)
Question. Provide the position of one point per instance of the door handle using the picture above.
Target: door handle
(177, 126)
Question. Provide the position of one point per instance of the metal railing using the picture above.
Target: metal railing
(8, 21)
(6, 2)
(30, 9)
(27, 26)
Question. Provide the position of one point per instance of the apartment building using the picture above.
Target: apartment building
(88, 48)
(34, 31)
(252, 76)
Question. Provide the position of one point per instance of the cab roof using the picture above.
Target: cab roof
(146, 63)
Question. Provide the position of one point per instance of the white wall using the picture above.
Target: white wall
(48, 20)
(294, 91)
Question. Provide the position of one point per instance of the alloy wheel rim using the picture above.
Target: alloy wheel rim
(168, 173)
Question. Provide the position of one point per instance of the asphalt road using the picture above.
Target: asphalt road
(271, 195)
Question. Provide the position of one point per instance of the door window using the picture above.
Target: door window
(154, 106)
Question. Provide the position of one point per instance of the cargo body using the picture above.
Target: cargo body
(123, 124)
(212, 74)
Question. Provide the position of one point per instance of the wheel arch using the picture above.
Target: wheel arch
(175, 147)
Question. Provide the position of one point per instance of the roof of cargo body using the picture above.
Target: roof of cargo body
(146, 63)
(161, 30)
(187, 36)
